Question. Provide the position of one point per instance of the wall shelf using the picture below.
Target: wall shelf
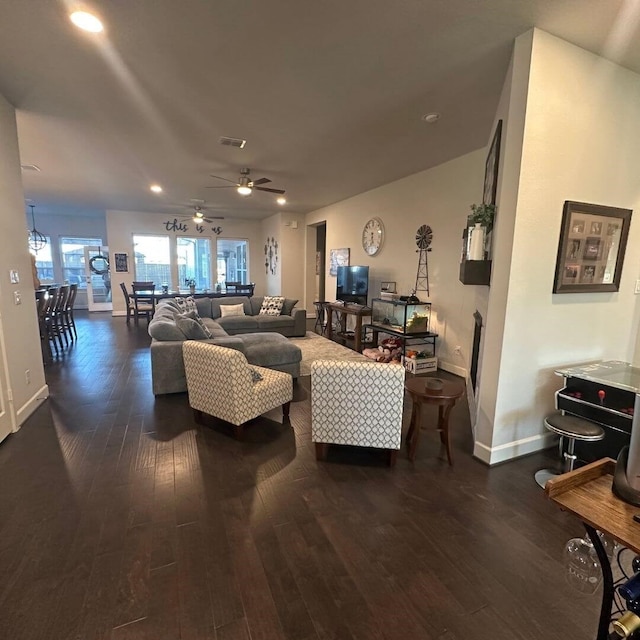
(475, 272)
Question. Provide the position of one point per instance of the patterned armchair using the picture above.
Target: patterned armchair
(356, 403)
(220, 383)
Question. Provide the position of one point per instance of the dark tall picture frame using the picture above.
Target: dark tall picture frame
(593, 239)
(491, 168)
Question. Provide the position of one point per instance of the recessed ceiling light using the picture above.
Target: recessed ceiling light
(156, 188)
(281, 200)
(431, 117)
(86, 21)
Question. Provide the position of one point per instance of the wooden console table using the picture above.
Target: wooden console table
(586, 493)
(348, 310)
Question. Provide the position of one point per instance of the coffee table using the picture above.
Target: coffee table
(436, 391)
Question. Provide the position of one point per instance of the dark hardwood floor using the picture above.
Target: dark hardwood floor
(121, 519)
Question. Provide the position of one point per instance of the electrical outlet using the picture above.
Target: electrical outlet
(637, 290)
(27, 376)
(458, 350)
(17, 298)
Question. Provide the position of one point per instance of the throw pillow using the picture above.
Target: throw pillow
(287, 307)
(271, 306)
(193, 315)
(190, 304)
(255, 376)
(231, 310)
(191, 329)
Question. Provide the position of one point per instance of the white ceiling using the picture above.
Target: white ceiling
(328, 94)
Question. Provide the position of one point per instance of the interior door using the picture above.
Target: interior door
(6, 426)
(98, 277)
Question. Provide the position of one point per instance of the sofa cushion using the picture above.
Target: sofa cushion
(214, 328)
(216, 302)
(256, 304)
(204, 307)
(271, 305)
(162, 329)
(241, 324)
(191, 328)
(271, 323)
(227, 310)
(287, 307)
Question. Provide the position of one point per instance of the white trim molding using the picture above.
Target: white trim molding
(31, 405)
(515, 449)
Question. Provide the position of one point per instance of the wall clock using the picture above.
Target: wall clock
(373, 236)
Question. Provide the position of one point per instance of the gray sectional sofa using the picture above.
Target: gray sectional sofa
(260, 337)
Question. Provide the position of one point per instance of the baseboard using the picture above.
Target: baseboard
(119, 314)
(31, 405)
(452, 368)
(512, 450)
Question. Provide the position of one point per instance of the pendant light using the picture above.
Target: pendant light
(36, 240)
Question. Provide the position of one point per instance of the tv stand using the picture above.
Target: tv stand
(344, 310)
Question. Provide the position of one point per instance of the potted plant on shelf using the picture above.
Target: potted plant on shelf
(482, 214)
(480, 222)
(191, 283)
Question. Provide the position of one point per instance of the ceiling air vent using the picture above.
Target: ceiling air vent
(232, 142)
(29, 167)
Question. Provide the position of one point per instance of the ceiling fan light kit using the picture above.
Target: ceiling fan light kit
(245, 186)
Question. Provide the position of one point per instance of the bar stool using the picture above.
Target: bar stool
(572, 428)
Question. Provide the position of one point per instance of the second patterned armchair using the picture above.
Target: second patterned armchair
(356, 403)
(223, 384)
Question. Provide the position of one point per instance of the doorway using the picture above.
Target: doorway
(98, 278)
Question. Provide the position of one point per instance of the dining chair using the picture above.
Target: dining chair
(245, 288)
(144, 300)
(128, 300)
(68, 320)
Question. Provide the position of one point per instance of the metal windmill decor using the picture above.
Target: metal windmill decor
(424, 236)
(36, 240)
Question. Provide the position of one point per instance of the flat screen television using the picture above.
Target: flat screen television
(353, 284)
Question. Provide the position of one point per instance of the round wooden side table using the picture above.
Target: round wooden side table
(444, 394)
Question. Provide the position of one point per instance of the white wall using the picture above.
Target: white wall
(19, 334)
(270, 228)
(439, 197)
(122, 225)
(292, 241)
(581, 141)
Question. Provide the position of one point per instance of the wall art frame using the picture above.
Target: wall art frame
(593, 239)
(491, 168)
(122, 262)
(338, 258)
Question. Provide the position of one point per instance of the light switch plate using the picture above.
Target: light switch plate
(637, 290)
(14, 276)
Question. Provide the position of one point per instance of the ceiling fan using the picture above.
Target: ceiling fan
(198, 216)
(246, 185)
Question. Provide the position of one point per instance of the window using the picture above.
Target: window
(232, 261)
(72, 250)
(194, 262)
(44, 262)
(152, 259)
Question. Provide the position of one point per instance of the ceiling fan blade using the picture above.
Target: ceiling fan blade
(212, 218)
(260, 181)
(280, 191)
(225, 179)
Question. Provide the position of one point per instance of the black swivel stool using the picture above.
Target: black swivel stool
(572, 428)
